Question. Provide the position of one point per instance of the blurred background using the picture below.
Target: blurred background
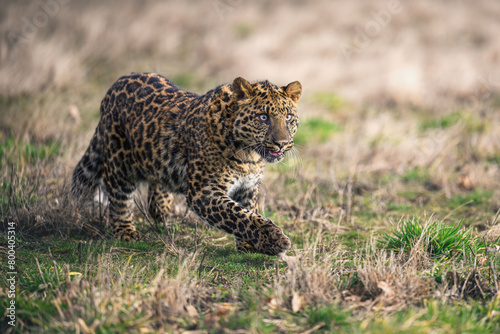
(381, 50)
(400, 102)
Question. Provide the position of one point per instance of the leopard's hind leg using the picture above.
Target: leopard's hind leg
(120, 185)
(161, 203)
(120, 194)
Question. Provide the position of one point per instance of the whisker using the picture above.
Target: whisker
(244, 148)
(299, 158)
(295, 161)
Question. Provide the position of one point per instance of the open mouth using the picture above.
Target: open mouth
(273, 156)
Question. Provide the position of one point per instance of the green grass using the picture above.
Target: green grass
(434, 237)
(494, 158)
(331, 317)
(14, 152)
(441, 122)
(315, 130)
(439, 318)
(399, 207)
(17, 191)
(470, 121)
(477, 197)
(417, 174)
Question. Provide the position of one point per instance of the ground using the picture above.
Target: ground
(392, 205)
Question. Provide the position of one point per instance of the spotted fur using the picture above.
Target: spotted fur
(211, 148)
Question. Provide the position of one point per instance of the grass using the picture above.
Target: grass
(443, 122)
(476, 197)
(494, 158)
(18, 153)
(418, 174)
(66, 285)
(315, 130)
(192, 279)
(470, 122)
(434, 237)
(17, 193)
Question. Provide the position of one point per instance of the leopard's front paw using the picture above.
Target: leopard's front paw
(244, 246)
(272, 241)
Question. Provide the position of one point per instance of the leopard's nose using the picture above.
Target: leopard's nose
(280, 143)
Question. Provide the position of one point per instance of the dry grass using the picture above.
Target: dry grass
(156, 304)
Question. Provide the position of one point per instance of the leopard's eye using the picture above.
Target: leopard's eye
(289, 117)
(263, 117)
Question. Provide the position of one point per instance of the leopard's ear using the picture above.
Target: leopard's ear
(242, 88)
(294, 91)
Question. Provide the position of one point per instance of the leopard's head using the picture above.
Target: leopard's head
(266, 117)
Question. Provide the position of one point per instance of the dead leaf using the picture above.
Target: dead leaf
(332, 208)
(192, 312)
(465, 182)
(272, 303)
(224, 309)
(298, 302)
(221, 310)
(388, 291)
(74, 113)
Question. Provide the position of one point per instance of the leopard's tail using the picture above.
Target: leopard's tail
(88, 172)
